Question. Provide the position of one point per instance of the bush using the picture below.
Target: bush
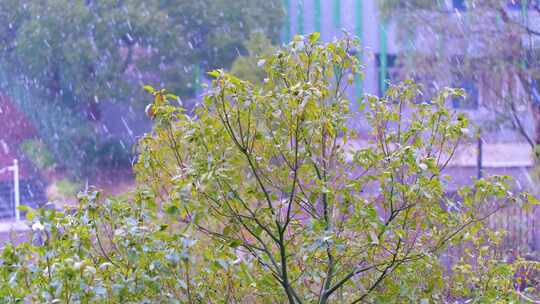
(112, 154)
(38, 154)
(63, 191)
(262, 198)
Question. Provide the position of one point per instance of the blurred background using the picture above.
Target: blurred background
(71, 77)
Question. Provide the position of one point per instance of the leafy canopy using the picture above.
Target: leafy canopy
(69, 57)
(459, 43)
(81, 51)
(266, 196)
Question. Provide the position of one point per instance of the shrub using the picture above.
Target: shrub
(264, 197)
(38, 154)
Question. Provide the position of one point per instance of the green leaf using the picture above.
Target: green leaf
(214, 73)
(314, 37)
(235, 243)
(149, 89)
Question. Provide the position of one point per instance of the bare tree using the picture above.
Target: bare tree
(490, 43)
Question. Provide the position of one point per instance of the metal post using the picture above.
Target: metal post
(286, 31)
(383, 52)
(16, 192)
(479, 155)
(300, 17)
(336, 18)
(317, 15)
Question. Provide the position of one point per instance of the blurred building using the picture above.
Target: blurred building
(501, 150)
(504, 150)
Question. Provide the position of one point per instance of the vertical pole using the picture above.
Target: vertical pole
(337, 14)
(358, 19)
(479, 155)
(317, 15)
(525, 20)
(524, 10)
(533, 230)
(16, 192)
(286, 32)
(383, 52)
(300, 17)
(197, 79)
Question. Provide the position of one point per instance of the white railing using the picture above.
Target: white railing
(16, 191)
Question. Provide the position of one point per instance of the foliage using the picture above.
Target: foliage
(249, 67)
(74, 50)
(264, 197)
(36, 151)
(447, 46)
(113, 251)
(75, 55)
(65, 189)
(112, 154)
